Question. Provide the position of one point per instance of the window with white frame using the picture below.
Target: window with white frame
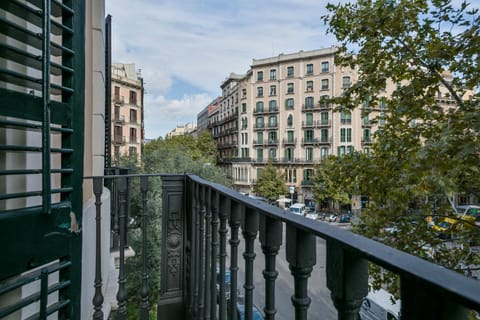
(346, 83)
(273, 90)
(324, 84)
(290, 88)
(260, 76)
(259, 91)
(273, 74)
(290, 72)
(309, 86)
(325, 67)
(289, 103)
(309, 70)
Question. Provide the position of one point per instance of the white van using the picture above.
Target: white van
(297, 208)
(378, 305)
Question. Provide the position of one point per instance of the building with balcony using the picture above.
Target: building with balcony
(182, 130)
(284, 117)
(127, 111)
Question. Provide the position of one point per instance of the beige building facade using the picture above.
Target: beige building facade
(127, 130)
(284, 120)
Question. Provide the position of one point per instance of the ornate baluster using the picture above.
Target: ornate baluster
(144, 291)
(434, 304)
(235, 217)
(347, 279)
(301, 256)
(271, 240)
(208, 241)
(250, 230)
(122, 294)
(201, 262)
(98, 297)
(197, 241)
(214, 249)
(224, 210)
(190, 249)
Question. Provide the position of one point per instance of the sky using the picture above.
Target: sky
(186, 48)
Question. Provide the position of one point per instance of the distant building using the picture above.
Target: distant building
(181, 130)
(203, 116)
(127, 130)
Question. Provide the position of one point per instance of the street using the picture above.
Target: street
(321, 306)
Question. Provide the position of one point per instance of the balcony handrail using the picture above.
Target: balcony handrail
(394, 260)
(196, 213)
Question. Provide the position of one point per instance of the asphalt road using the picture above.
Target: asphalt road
(321, 306)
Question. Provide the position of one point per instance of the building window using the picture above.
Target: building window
(289, 154)
(346, 82)
(324, 84)
(272, 137)
(244, 107)
(244, 93)
(290, 136)
(133, 135)
(259, 122)
(259, 157)
(324, 101)
(116, 93)
(323, 153)
(133, 98)
(272, 106)
(290, 120)
(259, 91)
(383, 103)
(259, 106)
(366, 135)
(273, 90)
(272, 154)
(366, 120)
(309, 119)
(350, 149)
(244, 138)
(273, 74)
(381, 119)
(309, 154)
(244, 123)
(309, 86)
(132, 151)
(325, 67)
(309, 69)
(346, 135)
(291, 175)
(117, 152)
(324, 135)
(309, 102)
(133, 116)
(245, 153)
(260, 137)
(307, 174)
(341, 151)
(260, 76)
(289, 103)
(272, 121)
(345, 117)
(290, 87)
(308, 134)
(324, 118)
(290, 72)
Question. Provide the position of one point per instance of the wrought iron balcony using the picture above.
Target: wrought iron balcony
(201, 226)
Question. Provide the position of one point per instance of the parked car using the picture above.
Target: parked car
(257, 315)
(312, 215)
(378, 305)
(345, 217)
(297, 208)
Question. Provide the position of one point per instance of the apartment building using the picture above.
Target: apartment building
(283, 118)
(127, 130)
(182, 130)
(223, 120)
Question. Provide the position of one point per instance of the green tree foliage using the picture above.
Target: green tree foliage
(271, 183)
(424, 153)
(180, 154)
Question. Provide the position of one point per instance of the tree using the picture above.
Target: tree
(328, 184)
(271, 183)
(425, 152)
(175, 155)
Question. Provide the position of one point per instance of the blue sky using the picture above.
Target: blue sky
(186, 48)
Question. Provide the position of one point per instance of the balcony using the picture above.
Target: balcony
(118, 119)
(209, 230)
(289, 142)
(366, 141)
(203, 225)
(308, 124)
(119, 139)
(259, 126)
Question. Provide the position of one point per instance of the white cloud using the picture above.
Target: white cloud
(201, 42)
(162, 115)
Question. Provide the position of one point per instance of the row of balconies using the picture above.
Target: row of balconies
(119, 119)
(225, 132)
(266, 111)
(120, 100)
(316, 124)
(121, 140)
